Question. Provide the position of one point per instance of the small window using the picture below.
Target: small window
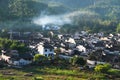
(45, 54)
(51, 55)
(45, 50)
(51, 49)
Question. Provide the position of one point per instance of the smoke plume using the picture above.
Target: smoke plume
(52, 19)
(67, 18)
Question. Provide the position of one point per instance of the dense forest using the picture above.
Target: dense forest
(89, 15)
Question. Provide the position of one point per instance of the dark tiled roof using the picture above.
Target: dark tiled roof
(47, 45)
(26, 56)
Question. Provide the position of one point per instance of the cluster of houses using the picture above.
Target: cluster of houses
(96, 48)
(12, 57)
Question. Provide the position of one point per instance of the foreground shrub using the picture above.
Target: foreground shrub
(77, 61)
(103, 68)
(40, 59)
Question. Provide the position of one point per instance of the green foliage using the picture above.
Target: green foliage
(13, 45)
(20, 9)
(115, 72)
(5, 43)
(77, 61)
(18, 46)
(91, 25)
(103, 68)
(36, 57)
(54, 73)
(40, 59)
(118, 28)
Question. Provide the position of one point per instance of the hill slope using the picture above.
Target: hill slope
(85, 14)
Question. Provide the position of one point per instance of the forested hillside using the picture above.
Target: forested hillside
(20, 9)
(90, 15)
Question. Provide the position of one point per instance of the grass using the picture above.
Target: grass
(54, 73)
(115, 72)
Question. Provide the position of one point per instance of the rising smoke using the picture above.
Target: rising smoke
(67, 18)
(52, 19)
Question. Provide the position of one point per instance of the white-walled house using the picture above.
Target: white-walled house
(5, 58)
(81, 48)
(20, 62)
(71, 42)
(92, 63)
(46, 49)
(16, 59)
(60, 36)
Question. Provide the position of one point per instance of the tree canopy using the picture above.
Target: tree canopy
(13, 45)
(102, 68)
(77, 61)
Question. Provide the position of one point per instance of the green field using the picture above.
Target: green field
(53, 73)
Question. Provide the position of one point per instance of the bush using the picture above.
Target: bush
(40, 59)
(115, 72)
(103, 68)
(77, 61)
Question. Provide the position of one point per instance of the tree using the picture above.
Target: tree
(13, 45)
(20, 9)
(4, 10)
(40, 59)
(118, 28)
(103, 68)
(77, 61)
(5, 43)
(22, 48)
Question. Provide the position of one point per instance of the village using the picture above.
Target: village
(59, 40)
(94, 48)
